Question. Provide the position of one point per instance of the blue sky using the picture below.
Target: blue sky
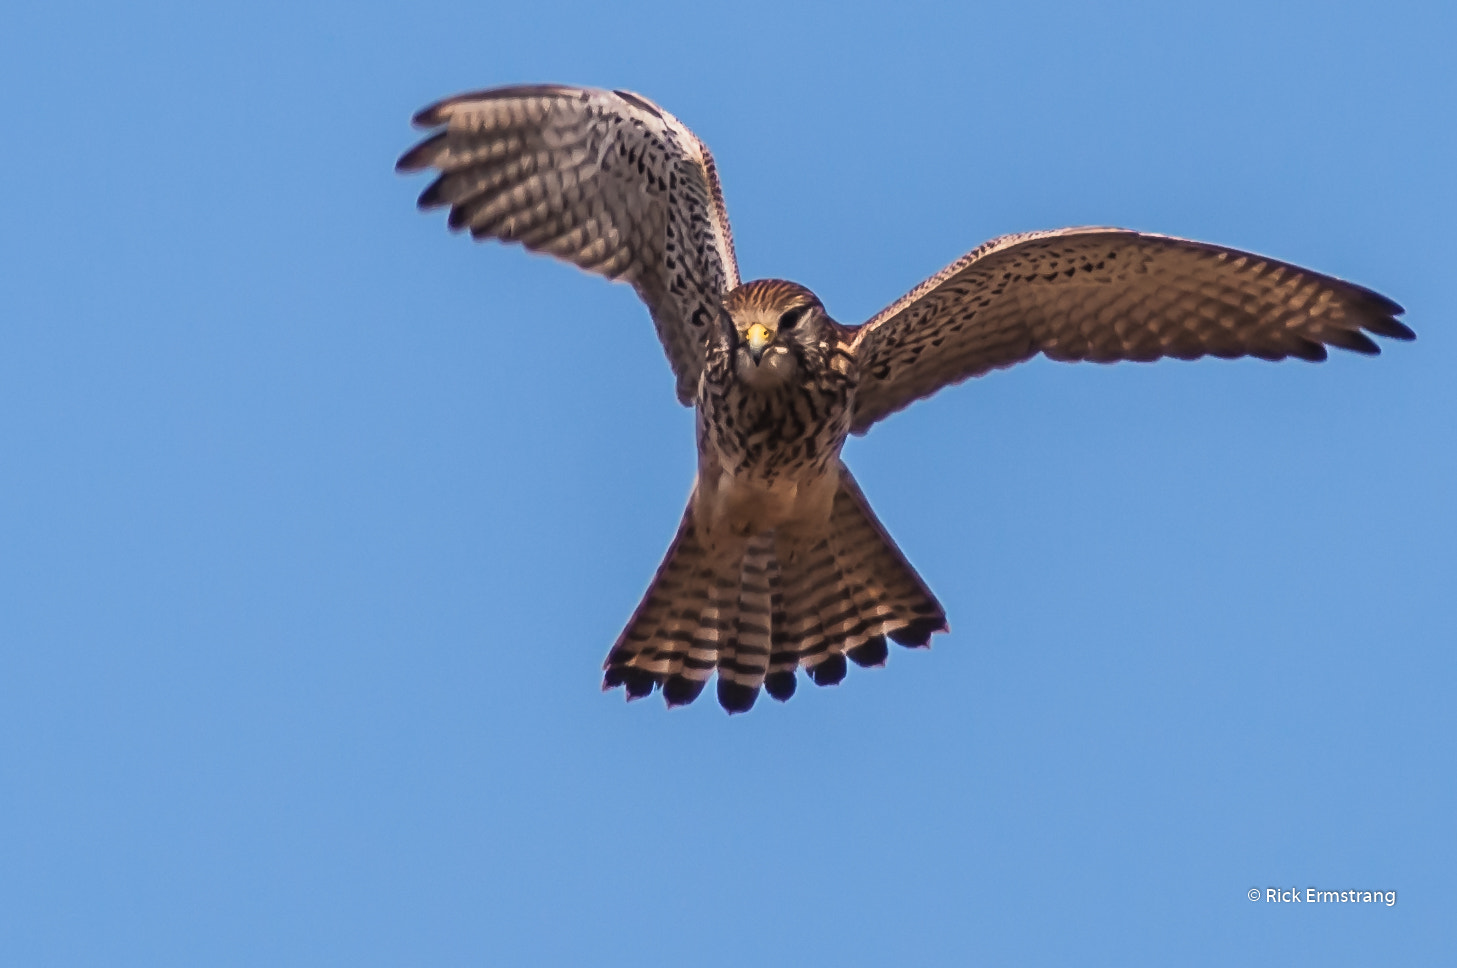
(316, 522)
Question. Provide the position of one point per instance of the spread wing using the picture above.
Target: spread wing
(606, 180)
(1104, 294)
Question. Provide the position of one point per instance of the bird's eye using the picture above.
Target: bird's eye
(792, 316)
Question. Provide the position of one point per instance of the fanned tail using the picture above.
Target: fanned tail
(854, 588)
(782, 602)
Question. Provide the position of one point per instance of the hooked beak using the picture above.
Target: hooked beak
(757, 337)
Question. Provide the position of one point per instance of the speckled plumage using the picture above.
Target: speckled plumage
(606, 180)
(790, 429)
(779, 563)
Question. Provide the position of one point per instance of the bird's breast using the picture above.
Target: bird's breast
(773, 435)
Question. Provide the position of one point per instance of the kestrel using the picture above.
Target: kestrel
(779, 563)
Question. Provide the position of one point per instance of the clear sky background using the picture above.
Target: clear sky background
(316, 522)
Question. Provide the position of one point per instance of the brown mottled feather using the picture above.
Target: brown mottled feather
(606, 180)
(1104, 294)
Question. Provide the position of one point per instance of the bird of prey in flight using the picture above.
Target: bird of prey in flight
(779, 563)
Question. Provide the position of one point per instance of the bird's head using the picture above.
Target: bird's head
(776, 326)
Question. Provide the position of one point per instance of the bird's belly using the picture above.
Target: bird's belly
(769, 462)
(735, 504)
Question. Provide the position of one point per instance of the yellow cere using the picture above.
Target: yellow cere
(758, 335)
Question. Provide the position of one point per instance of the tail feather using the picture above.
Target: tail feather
(744, 660)
(784, 647)
(812, 577)
(905, 608)
(650, 649)
(825, 664)
(783, 603)
(713, 635)
(713, 621)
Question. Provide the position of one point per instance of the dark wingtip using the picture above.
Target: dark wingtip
(1384, 304)
(871, 653)
(917, 635)
(830, 671)
(421, 156)
(431, 196)
(780, 685)
(433, 115)
(680, 690)
(429, 115)
(1353, 340)
(1309, 350)
(458, 219)
(1390, 328)
(735, 697)
(1380, 316)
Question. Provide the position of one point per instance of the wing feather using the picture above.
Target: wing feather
(605, 180)
(1104, 294)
